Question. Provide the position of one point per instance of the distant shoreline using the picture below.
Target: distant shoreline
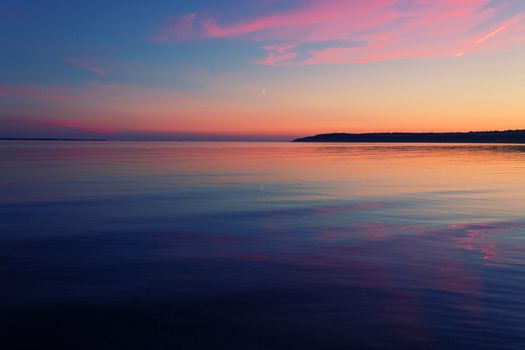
(508, 136)
(46, 139)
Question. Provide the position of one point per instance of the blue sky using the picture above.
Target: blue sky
(242, 69)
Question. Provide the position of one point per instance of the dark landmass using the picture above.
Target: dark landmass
(45, 139)
(508, 136)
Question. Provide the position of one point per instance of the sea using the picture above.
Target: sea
(261, 245)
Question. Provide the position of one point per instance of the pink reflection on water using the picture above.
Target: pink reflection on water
(329, 210)
(367, 231)
(479, 237)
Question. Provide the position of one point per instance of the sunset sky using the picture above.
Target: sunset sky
(265, 69)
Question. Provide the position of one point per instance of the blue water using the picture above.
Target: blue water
(114, 245)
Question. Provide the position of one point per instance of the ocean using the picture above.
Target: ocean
(232, 245)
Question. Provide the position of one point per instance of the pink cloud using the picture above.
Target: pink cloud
(89, 64)
(505, 26)
(387, 29)
(74, 125)
(85, 91)
(67, 93)
(44, 92)
(127, 106)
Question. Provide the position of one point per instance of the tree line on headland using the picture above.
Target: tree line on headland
(508, 136)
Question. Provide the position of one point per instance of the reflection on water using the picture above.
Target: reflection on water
(262, 246)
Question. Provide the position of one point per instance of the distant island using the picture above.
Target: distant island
(508, 136)
(45, 139)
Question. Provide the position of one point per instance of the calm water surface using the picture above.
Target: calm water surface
(115, 245)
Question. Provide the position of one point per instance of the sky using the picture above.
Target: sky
(259, 70)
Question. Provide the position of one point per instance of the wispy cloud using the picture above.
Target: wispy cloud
(504, 26)
(86, 91)
(71, 125)
(386, 29)
(89, 64)
(140, 109)
(178, 28)
(44, 92)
